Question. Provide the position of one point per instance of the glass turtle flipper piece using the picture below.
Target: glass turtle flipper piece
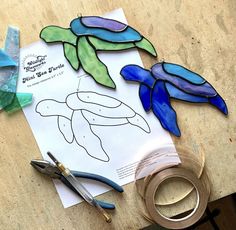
(219, 103)
(145, 94)
(162, 108)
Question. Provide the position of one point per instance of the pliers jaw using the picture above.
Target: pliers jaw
(46, 168)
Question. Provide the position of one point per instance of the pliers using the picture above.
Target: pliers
(52, 171)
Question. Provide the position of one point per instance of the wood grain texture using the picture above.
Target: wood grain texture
(197, 34)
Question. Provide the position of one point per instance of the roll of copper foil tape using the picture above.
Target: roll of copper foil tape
(202, 198)
(154, 160)
(193, 161)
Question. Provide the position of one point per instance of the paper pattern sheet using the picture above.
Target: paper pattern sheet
(86, 126)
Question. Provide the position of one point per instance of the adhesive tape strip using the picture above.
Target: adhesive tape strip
(194, 216)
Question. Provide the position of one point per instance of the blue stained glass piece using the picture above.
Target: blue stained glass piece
(9, 75)
(128, 35)
(6, 60)
(218, 102)
(163, 110)
(145, 96)
(183, 72)
(137, 73)
(178, 94)
(200, 90)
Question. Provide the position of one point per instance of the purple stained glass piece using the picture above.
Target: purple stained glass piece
(104, 23)
(201, 90)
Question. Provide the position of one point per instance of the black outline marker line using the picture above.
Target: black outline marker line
(62, 132)
(94, 135)
(126, 121)
(98, 95)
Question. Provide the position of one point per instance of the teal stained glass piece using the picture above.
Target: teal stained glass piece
(183, 73)
(187, 86)
(9, 75)
(19, 101)
(127, 35)
(5, 60)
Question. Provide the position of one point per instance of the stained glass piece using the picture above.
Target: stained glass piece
(145, 96)
(137, 73)
(70, 53)
(218, 102)
(201, 90)
(20, 100)
(9, 75)
(9, 100)
(109, 46)
(144, 44)
(183, 72)
(92, 65)
(128, 35)
(163, 110)
(178, 94)
(6, 98)
(6, 60)
(57, 34)
(99, 22)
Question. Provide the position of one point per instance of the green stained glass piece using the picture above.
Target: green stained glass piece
(57, 34)
(70, 53)
(20, 100)
(109, 46)
(91, 63)
(147, 46)
(6, 98)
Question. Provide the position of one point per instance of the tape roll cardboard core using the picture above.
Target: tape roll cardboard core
(194, 216)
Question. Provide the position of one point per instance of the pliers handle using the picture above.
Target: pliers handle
(51, 170)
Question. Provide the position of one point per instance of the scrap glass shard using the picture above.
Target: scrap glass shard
(19, 100)
(6, 60)
(9, 75)
(6, 98)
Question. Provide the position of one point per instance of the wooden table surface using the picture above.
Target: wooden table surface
(197, 34)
